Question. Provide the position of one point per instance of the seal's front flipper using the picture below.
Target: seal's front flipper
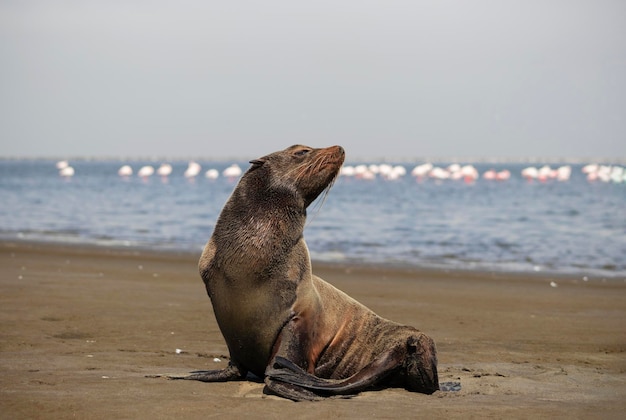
(230, 373)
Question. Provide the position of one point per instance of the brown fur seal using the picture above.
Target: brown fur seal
(307, 339)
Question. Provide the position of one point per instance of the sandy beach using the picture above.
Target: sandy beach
(82, 327)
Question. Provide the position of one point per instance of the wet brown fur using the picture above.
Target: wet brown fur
(305, 337)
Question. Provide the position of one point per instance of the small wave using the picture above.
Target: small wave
(505, 245)
(328, 256)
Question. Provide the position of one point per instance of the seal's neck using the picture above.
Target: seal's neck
(261, 219)
(258, 193)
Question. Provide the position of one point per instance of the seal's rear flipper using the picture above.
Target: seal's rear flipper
(290, 391)
(285, 371)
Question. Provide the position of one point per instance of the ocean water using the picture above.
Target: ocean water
(571, 227)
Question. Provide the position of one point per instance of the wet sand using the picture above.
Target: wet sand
(80, 328)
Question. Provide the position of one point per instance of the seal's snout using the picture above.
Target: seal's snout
(339, 151)
(336, 153)
(330, 157)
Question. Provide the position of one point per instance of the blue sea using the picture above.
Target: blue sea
(574, 227)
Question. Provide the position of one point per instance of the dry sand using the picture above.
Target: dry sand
(80, 328)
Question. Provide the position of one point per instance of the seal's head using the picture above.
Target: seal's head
(300, 171)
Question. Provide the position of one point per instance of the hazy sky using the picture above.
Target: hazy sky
(210, 79)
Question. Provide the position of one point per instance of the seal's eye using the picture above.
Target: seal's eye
(302, 152)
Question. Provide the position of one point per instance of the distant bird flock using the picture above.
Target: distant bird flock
(65, 170)
(469, 173)
(425, 171)
(193, 170)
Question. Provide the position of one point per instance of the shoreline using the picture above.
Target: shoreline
(339, 265)
(82, 326)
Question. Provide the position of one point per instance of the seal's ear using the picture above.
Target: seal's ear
(256, 163)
